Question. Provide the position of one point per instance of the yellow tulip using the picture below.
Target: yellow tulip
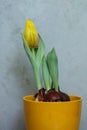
(31, 34)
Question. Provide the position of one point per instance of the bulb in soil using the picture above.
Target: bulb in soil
(53, 96)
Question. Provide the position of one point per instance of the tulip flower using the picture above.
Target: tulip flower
(30, 34)
(34, 47)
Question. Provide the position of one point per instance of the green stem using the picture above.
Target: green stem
(37, 76)
(33, 52)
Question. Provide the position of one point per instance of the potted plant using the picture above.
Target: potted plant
(49, 108)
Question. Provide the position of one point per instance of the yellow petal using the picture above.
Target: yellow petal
(30, 34)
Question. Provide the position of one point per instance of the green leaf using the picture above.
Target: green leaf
(52, 62)
(40, 51)
(26, 47)
(46, 75)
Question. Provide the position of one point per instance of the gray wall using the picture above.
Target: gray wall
(62, 24)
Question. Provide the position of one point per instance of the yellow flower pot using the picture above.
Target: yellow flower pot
(52, 115)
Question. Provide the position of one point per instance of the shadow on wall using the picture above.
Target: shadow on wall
(19, 123)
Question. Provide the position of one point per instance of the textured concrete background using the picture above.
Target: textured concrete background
(62, 24)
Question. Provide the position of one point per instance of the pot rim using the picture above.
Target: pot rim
(74, 98)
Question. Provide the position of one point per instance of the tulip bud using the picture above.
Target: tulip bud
(30, 34)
